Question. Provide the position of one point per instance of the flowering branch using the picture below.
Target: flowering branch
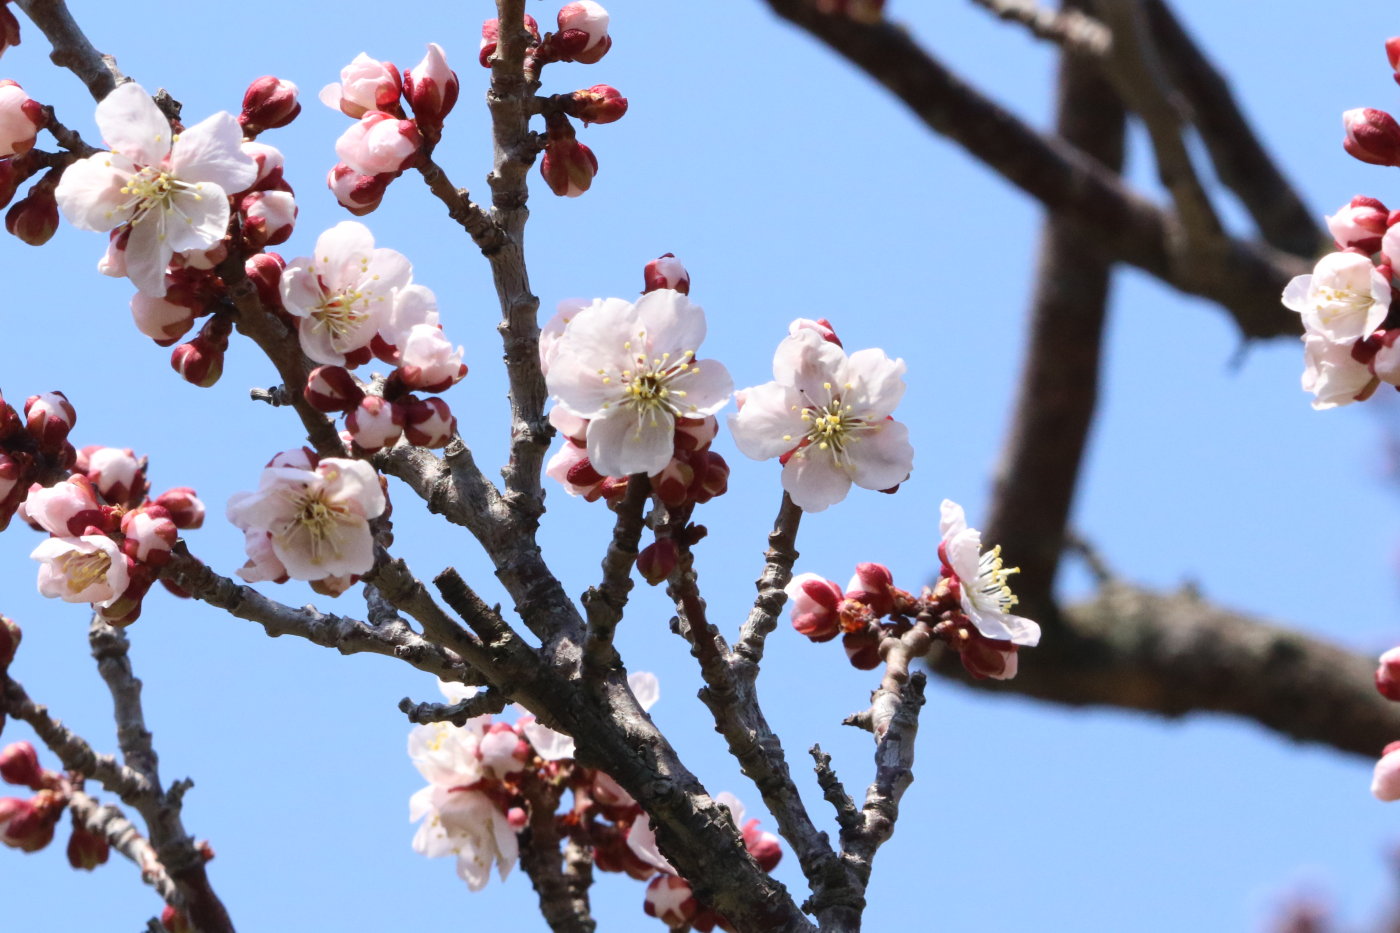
(1068, 27)
(777, 571)
(484, 703)
(1244, 278)
(121, 834)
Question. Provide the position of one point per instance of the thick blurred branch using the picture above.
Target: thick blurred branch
(1243, 277)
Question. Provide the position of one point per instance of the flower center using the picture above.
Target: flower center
(313, 527)
(83, 570)
(342, 313)
(991, 586)
(832, 427)
(650, 387)
(1340, 302)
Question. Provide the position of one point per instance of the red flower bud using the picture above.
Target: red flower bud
(19, 764)
(34, 218)
(1372, 136)
(657, 560)
(86, 850)
(601, 103)
(332, 389)
(568, 167)
(268, 103)
(666, 271)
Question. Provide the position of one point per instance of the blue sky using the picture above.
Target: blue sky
(790, 186)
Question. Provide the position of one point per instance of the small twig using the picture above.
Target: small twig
(768, 605)
(896, 725)
(486, 703)
(564, 904)
(109, 822)
(1069, 28)
(109, 648)
(847, 816)
(76, 754)
(461, 208)
(603, 604)
(277, 396)
(71, 49)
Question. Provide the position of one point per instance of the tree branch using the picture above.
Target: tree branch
(71, 49)
(121, 834)
(603, 604)
(1244, 278)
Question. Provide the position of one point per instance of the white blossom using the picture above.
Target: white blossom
(986, 598)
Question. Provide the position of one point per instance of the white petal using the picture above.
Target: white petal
(671, 320)
(770, 422)
(707, 387)
(881, 457)
(198, 218)
(624, 441)
(212, 151)
(814, 481)
(148, 253)
(89, 193)
(133, 125)
(878, 383)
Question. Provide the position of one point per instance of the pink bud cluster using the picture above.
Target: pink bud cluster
(1385, 783)
(34, 218)
(28, 824)
(107, 537)
(374, 422)
(385, 141)
(1345, 304)
(568, 166)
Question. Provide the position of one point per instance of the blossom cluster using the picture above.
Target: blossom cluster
(29, 823)
(1346, 300)
(489, 779)
(969, 609)
(568, 166)
(309, 519)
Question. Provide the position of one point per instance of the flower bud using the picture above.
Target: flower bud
(150, 535)
(28, 825)
(821, 325)
(357, 193)
(814, 606)
(430, 87)
(20, 120)
(1387, 675)
(428, 422)
(672, 484)
(375, 423)
(1372, 136)
(583, 32)
(332, 389)
(872, 585)
(1359, 224)
(984, 657)
(10, 636)
(427, 361)
(268, 103)
(264, 270)
(379, 143)
(568, 167)
(711, 476)
(666, 271)
(365, 84)
(117, 473)
(198, 363)
(19, 764)
(670, 900)
(66, 508)
(162, 320)
(657, 560)
(184, 507)
(266, 217)
(601, 103)
(862, 648)
(126, 607)
(1392, 52)
(86, 849)
(34, 218)
(491, 35)
(763, 846)
(48, 419)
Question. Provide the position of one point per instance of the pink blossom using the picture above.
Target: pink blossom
(827, 416)
(428, 362)
(83, 569)
(632, 371)
(1385, 783)
(431, 87)
(1359, 224)
(344, 293)
(1345, 298)
(318, 519)
(64, 509)
(365, 84)
(170, 190)
(380, 142)
(981, 576)
(467, 824)
(1333, 375)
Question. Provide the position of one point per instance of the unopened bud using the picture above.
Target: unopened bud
(491, 36)
(1372, 136)
(86, 849)
(28, 825)
(601, 103)
(873, 584)
(19, 764)
(332, 389)
(150, 535)
(428, 422)
(862, 648)
(711, 476)
(672, 484)
(375, 423)
(657, 560)
(1392, 52)
(365, 84)
(268, 103)
(666, 271)
(669, 899)
(264, 270)
(583, 32)
(814, 606)
(198, 363)
(48, 418)
(34, 218)
(763, 846)
(266, 217)
(430, 87)
(184, 507)
(357, 193)
(379, 143)
(20, 119)
(568, 167)
(821, 325)
(1359, 224)
(988, 657)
